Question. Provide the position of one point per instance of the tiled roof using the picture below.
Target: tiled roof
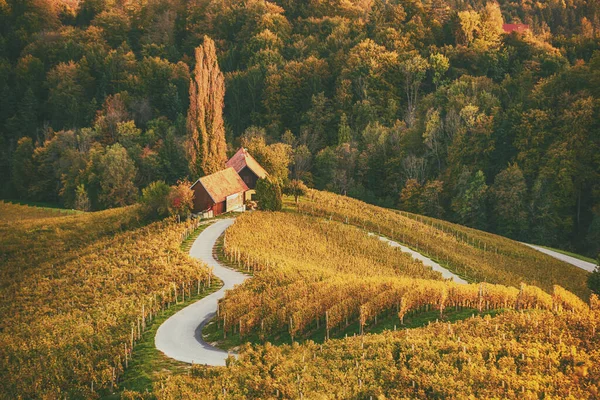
(243, 159)
(508, 28)
(222, 184)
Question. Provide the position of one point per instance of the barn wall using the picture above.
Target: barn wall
(202, 200)
(218, 208)
(248, 177)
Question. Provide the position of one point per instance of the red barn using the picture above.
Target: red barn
(247, 167)
(520, 28)
(219, 192)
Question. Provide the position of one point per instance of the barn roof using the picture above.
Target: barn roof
(243, 159)
(222, 184)
(508, 28)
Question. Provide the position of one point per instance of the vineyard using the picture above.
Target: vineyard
(530, 355)
(326, 275)
(478, 256)
(79, 293)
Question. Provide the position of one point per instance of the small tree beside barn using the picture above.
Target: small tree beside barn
(268, 195)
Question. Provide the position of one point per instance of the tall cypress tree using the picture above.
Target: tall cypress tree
(206, 130)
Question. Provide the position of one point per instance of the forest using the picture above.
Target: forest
(427, 106)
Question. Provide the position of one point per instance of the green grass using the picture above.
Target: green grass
(574, 255)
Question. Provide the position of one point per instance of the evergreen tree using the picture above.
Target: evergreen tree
(117, 178)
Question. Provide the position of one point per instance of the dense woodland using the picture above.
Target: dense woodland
(427, 106)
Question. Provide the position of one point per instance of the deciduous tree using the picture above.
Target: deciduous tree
(206, 129)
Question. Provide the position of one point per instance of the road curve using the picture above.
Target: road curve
(588, 266)
(180, 336)
(426, 261)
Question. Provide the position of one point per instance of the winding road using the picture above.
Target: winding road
(588, 266)
(426, 261)
(180, 336)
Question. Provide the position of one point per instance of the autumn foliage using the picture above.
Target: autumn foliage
(206, 129)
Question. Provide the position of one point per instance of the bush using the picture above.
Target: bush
(268, 195)
(181, 199)
(155, 199)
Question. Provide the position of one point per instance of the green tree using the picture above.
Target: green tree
(344, 131)
(414, 70)
(439, 66)
(430, 202)
(410, 197)
(301, 163)
(295, 188)
(67, 101)
(117, 178)
(594, 279)
(324, 168)
(470, 202)
(23, 172)
(274, 158)
(155, 199)
(509, 198)
(268, 195)
(82, 200)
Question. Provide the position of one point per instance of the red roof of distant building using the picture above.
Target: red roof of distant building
(508, 28)
(242, 159)
(222, 184)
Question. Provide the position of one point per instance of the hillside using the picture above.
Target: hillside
(479, 256)
(432, 107)
(277, 199)
(349, 302)
(320, 289)
(76, 293)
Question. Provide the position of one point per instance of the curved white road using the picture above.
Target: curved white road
(426, 261)
(180, 336)
(588, 266)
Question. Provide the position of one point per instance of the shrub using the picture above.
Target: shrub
(268, 195)
(155, 199)
(181, 199)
